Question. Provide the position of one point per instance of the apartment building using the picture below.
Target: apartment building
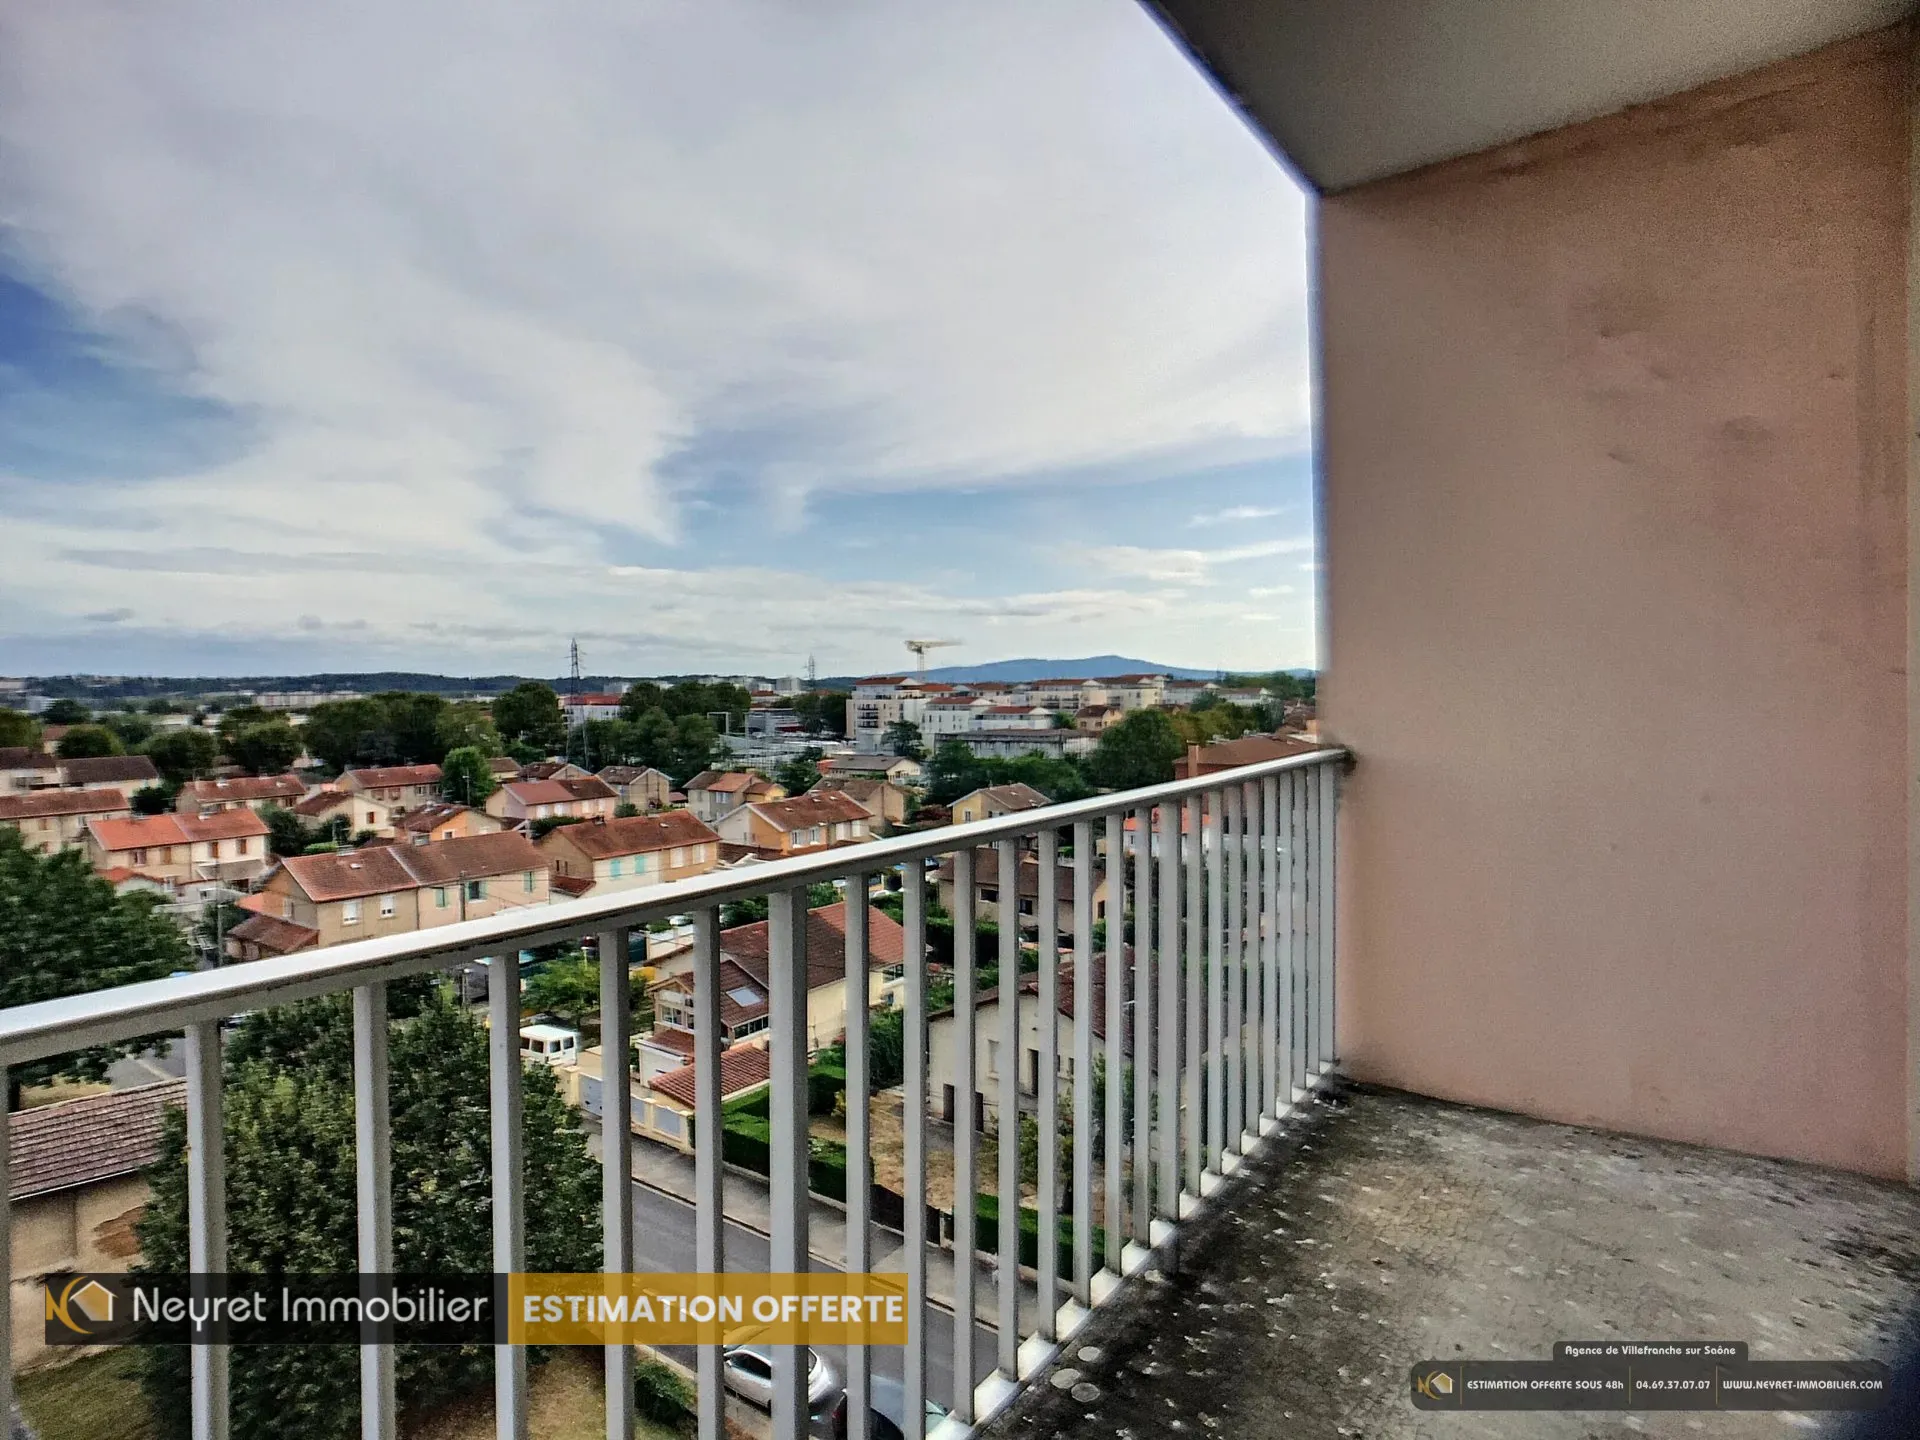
(519, 802)
(23, 768)
(957, 715)
(816, 820)
(363, 813)
(229, 845)
(632, 853)
(51, 820)
(317, 900)
(401, 786)
(254, 792)
(712, 795)
(1135, 692)
(578, 709)
(643, 788)
(1015, 717)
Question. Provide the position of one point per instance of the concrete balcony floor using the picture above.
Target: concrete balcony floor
(1387, 1228)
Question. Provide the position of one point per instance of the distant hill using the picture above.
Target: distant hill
(1086, 667)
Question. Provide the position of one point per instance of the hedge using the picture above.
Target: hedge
(986, 1234)
(825, 1083)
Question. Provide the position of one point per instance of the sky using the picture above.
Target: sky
(415, 334)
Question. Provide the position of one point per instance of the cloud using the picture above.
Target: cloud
(501, 311)
(108, 617)
(1236, 512)
(1188, 566)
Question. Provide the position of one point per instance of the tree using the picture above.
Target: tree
(63, 931)
(1140, 750)
(239, 718)
(799, 773)
(902, 737)
(625, 810)
(466, 776)
(952, 772)
(265, 748)
(547, 824)
(695, 744)
(291, 1208)
(529, 714)
(84, 742)
(66, 712)
(689, 697)
(340, 733)
(412, 718)
(161, 705)
(467, 723)
(181, 755)
(568, 987)
(17, 729)
(132, 731)
(154, 799)
(822, 712)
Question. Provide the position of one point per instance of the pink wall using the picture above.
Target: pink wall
(1616, 560)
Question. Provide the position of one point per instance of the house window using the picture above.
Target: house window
(476, 889)
(369, 819)
(1026, 907)
(752, 1027)
(139, 857)
(679, 856)
(214, 849)
(526, 881)
(440, 897)
(699, 854)
(615, 867)
(286, 909)
(386, 907)
(989, 895)
(46, 824)
(640, 864)
(240, 846)
(350, 912)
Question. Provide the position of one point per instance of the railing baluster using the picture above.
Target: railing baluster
(1114, 1049)
(616, 1156)
(1249, 1035)
(373, 1179)
(509, 1200)
(859, 1141)
(1007, 1130)
(709, 1206)
(6, 1259)
(1270, 1072)
(913, 1120)
(1216, 862)
(787, 1055)
(1234, 836)
(1329, 787)
(1167, 1155)
(1084, 966)
(1190, 859)
(1283, 940)
(1311, 927)
(1048, 917)
(1141, 1051)
(1303, 991)
(207, 1215)
(965, 1110)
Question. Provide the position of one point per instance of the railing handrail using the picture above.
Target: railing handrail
(101, 1017)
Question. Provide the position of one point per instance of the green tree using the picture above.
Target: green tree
(86, 741)
(467, 723)
(17, 729)
(161, 705)
(902, 737)
(953, 771)
(65, 711)
(340, 733)
(63, 931)
(568, 987)
(625, 810)
(529, 714)
(154, 799)
(1140, 750)
(265, 748)
(182, 755)
(412, 718)
(822, 712)
(291, 1205)
(695, 746)
(132, 731)
(799, 773)
(238, 718)
(466, 777)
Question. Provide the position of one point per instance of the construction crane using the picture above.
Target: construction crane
(920, 648)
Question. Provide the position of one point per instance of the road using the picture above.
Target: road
(663, 1241)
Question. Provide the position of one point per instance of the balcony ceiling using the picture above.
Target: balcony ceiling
(1356, 90)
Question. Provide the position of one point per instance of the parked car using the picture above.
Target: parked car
(747, 1370)
(886, 1415)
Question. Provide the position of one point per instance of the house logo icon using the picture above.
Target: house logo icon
(79, 1305)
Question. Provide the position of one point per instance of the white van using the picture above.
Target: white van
(549, 1045)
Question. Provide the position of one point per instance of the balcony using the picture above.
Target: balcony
(1218, 997)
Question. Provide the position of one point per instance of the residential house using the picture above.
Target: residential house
(76, 1188)
(897, 768)
(255, 792)
(987, 897)
(943, 1055)
(401, 786)
(990, 802)
(229, 845)
(23, 768)
(552, 770)
(885, 802)
(520, 802)
(1247, 750)
(669, 1045)
(663, 1110)
(644, 788)
(714, 794)
(444, 820)
(363, 813)
(743, 1002)
(630, 853)
(50, 820)
(126, 773)
(319, 900)
(1096, 719)
(816, 820)
(504, 767)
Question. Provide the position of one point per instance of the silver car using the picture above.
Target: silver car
(747, 1370)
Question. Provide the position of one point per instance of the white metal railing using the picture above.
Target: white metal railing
(1225, 1021)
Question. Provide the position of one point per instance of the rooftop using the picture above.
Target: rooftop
(744, 1067)
(143, 831)
(82, 1142)
(382, 869)
(36, 803)
(110, 770)
(633, 834)
(247, 787)
(382, 777)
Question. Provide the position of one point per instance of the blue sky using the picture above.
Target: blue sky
(716, 334)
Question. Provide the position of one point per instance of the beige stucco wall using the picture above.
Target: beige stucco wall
(1615, 580)
(85, 1229)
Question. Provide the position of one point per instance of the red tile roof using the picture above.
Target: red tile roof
(748, 945)
(666, 1037)
(560, 792)
(742, 1068)
(110, 769)
(145, 831)
(383, 869)
(383, 777)
(25, 757)
(574, 885)
(247, 787)
(273, 934)
(816, 807)
(1009, 798)
(633, 834)
(82, 1142)
(36, 803)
